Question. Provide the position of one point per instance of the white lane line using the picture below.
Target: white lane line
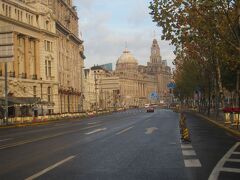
(95, 131)
(49, 168)
(1, 140)
(233, 160)
(192, 163)
(124, 130)
(44, 137)
(234, 170)
(188, 153)
(90, 123)
(215, 173)
(186, 146)
(236, 153)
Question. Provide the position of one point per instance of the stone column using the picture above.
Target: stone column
(16, 68)
(26, 55)
(37, 58)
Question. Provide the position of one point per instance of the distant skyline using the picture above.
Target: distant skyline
(106, 26)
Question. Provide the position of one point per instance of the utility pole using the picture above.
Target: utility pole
(95, 83)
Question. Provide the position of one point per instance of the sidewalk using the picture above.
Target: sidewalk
(219, 122)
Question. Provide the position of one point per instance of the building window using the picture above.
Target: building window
(48, 68)
(48, 46)
(34, 91)
(49, 94)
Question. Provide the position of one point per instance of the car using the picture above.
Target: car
(150, 109)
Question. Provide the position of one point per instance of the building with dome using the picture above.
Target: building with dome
(130, 85)
(138, 82)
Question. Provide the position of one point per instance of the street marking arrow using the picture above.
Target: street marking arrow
(150, 130)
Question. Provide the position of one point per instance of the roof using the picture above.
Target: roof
(127, 58)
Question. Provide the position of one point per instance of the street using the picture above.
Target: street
(127, 145)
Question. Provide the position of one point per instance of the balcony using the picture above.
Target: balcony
(23, 75)
(11, 74)
(34, 77)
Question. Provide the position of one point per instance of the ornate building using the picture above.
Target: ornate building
(70, 57)
(138, 82)
(48, 54)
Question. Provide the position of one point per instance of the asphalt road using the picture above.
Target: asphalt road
(129, 145)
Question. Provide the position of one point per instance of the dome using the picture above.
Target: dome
(127, 58)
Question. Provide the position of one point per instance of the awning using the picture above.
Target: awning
(21, 101)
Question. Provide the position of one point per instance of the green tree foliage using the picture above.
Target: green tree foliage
(206, 34)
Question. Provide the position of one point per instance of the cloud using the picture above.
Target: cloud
(107, 25)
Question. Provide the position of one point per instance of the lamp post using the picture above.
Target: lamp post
(6, 95)
(41, 96)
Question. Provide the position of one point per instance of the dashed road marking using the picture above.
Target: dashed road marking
(186, 146)
(44, 171)
(95, 131)
(220, 165)
(189, 153)
(10, 145)
(1, 140)
(192, 163)
(124, 130)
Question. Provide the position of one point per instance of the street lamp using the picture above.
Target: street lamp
(41, 96)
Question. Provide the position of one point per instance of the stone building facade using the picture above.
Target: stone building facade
(70, 57)
(131, 84)
(139, 82)
(101, 89)
(48, 53)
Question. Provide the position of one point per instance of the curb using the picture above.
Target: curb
(233, 132)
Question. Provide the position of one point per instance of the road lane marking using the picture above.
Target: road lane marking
(49, 168)
(150, 130)
(95, 131)
(186, 146)
(234, 170)
(1, 140)
(233, 160)
(236, 153)
(91, 123)
(219, 167)
(124, 130)
(189, 153)
(192, 163)
(44, 137)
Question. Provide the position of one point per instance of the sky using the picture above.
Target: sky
(107, 26)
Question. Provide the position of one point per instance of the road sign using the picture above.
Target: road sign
(154, 96)
(171, 85)
(6, 47)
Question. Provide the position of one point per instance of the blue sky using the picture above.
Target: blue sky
(107, 24)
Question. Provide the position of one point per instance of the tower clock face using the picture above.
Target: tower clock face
(154, 51)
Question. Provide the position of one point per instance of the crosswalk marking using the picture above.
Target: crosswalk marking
(192, 163)
(188, 152)
(220, 165)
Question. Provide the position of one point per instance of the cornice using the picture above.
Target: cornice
(24, 25)
(66, 32)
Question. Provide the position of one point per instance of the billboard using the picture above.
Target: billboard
(6, 47)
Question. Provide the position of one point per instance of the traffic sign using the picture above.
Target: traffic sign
(153, 96)
(171, 85)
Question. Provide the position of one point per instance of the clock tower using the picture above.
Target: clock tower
(155, 57)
